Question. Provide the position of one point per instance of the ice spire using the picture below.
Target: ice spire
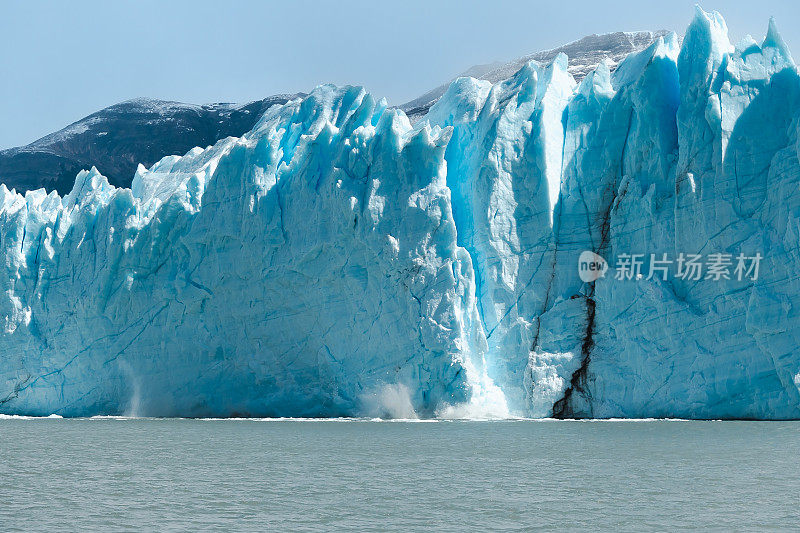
(774, 40)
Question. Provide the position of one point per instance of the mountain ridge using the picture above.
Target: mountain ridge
(118, 138)
(584, 55)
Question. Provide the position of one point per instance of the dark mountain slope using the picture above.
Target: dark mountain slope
(116, 139)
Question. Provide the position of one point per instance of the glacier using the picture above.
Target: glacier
(338, 260)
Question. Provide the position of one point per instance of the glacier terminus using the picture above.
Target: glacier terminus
(339, 260)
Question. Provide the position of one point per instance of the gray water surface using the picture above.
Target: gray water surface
(173, 474)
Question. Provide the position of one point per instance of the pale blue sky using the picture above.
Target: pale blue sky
(60, 61)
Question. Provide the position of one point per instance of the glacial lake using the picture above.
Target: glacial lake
(359, 475)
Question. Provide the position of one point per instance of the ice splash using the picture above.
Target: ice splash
(486, 403)
(134, 408)
(389, 401)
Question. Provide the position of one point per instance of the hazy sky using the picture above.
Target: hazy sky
(60, 61)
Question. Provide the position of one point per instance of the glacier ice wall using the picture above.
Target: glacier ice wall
(337, 260)
(294, 271)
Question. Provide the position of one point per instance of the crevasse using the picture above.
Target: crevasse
(337, 260)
